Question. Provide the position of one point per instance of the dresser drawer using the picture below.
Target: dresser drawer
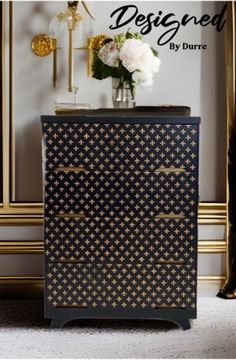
(122, 194)
(121, 286)
(117, 240)
(121, 146)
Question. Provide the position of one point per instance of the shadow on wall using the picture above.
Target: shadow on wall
(30, 156)
(213, 74)
(37, 78)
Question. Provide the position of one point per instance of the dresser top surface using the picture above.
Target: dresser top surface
(112, 116)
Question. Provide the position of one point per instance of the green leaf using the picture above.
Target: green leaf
(100, 70)
(155, 52)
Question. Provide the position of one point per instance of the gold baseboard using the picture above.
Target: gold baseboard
(21, 287)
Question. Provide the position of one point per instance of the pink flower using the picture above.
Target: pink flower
(136, 56)
(109, 54)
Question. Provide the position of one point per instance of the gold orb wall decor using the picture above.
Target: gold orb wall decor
(43, 45)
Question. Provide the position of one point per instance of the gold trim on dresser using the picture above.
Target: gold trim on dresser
(176, 170)
(68, 169)
(170, 216)
(71, 306)
(72, 216)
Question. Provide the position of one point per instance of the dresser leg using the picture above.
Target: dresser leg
(184, 324)
(57, 323)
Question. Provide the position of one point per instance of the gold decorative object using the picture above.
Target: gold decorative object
(98, 41)
(43, 45)
(87, 10)
(94, 44)
(71, 16)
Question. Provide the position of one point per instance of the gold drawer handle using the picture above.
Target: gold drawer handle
(170, 216)
(73, 216)
(72, 306)
(170, 307)
(177, 170)
(70, 168)
(70, 261)
(170, 262)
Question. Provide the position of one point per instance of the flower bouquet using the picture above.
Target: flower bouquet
(129, 61)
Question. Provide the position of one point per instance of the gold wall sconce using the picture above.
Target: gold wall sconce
(44, 45)
(94, 43)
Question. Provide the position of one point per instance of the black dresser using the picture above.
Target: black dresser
(121, 204)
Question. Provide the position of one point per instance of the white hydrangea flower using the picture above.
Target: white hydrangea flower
(136, 55)
(109, 54)
(156, 64)
(143, 78)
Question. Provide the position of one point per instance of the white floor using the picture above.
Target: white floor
(25, 334)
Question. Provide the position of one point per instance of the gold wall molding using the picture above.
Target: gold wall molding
(18, 219)
(212, 246)
(212, 213)
(38, 280)
(15, 214)
(21, 280)
(211, 278)
(37, 246)
(209, 213)
(21, 247)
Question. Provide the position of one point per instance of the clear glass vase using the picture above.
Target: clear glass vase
(122, 96)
